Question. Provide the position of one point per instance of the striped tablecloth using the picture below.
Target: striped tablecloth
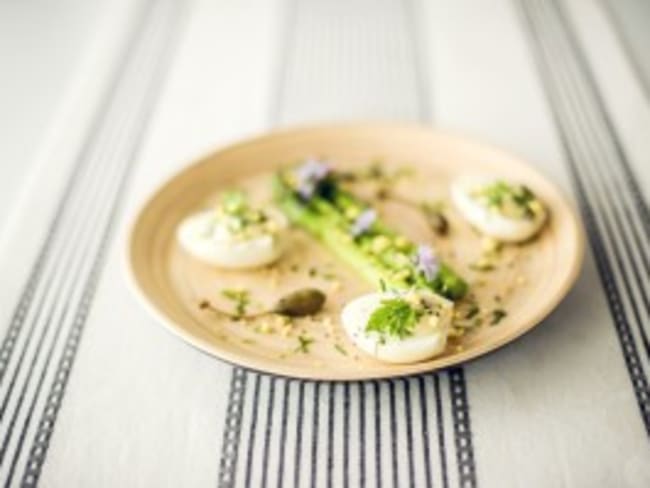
(94, 394)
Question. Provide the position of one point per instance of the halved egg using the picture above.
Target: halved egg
(505, 211)
(227, 241)
(427, 337)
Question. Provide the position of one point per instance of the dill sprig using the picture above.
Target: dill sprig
(394, 317)
(241, 299)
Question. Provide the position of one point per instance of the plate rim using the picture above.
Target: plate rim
(291, 372)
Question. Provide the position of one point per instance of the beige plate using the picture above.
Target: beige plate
(171, 283)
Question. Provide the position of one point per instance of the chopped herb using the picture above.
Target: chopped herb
(294, 268)
(482, 265)
(436, 219)
(241, 298)
(382, 285)
(472, 311)
(497, 315)
(512, 200)
(394, 317)
(312, 272)
(375, 170)
(234, 202)
(328, 276)
(340, 349)
(303, 344)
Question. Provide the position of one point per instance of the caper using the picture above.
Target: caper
(299, 303)
(438, 223)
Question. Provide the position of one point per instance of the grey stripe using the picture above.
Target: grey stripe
(629, 18)
(603, 181)
(377, 46)
(86, 216)
(232, 429)
(462, 428)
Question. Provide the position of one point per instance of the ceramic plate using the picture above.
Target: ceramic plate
(171, 283)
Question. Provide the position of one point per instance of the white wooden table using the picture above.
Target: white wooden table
(94, 394)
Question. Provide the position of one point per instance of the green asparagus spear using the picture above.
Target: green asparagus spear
(378, 253)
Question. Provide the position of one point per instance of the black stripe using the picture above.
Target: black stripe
(81, 171)
(377, 412)
(626, 45)
(253, 429)
(49, 415)
(71, 273)
(632, 187)
(80, 168)
(393, 432)
(631, 179)
(74, 272)
(424, 417)
(362, 434)
(232, 429)
(22, 395)
(64, 264)
(282, 441)
(612, 293)
(330, 433)
(440, 421)
(622, 210)
(268, 429)
(299, 419)
(614, 232)
(346, 434)
(409, 430)
(462, 428)
(314, 437)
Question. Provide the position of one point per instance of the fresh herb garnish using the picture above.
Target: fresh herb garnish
(303, 344)
(497, 315)
(503, 196)
(241, 298)
(472, 311)
(233, 202)
(340, 349)
(394, 317)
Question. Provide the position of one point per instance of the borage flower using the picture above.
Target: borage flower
(427, 262)
(309, 175)
(363, 222)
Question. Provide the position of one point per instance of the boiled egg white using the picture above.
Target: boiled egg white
(210, 238)
(489, 220)
(429, 337)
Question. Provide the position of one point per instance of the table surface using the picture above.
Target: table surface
(101, 101)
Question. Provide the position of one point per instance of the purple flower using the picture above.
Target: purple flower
(309, 175)
(427, 262)
(363, 222)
